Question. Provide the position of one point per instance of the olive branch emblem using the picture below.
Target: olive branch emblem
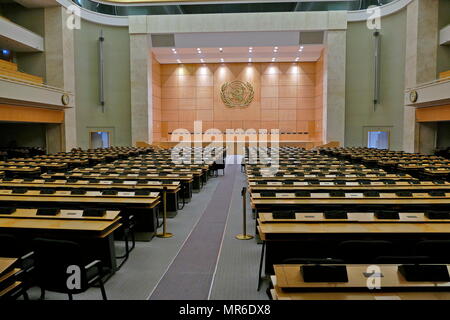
(237, 93)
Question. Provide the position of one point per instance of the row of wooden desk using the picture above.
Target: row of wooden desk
(363, 284)
(424, 166)
(307, 215)
(62, 204)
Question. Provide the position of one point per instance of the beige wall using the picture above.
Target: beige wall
(360, 115)
(117, 115)
(285, 98)
(156, 98)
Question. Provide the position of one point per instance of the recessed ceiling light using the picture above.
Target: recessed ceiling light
(249, 59)
(273, 59)
(202, 60)
(221, 60)
(178, 60)
(221, 49)
(296, 59)
(173, 49)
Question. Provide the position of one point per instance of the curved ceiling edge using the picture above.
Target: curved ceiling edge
(387, 9)
(117, 21)
(352, 16)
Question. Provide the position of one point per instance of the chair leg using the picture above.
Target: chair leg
(133, 240)
(102, 288)
(25, 295)
(261, 264)
(70, 296)
(42, 297)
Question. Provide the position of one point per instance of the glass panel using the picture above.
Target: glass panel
(378, 139)
(180, 8)
(100, 140)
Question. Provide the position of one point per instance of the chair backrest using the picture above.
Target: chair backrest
(401, 259)
(363, 251)
(53, 259)
(10, 247)
(437, 250)
(311, 261)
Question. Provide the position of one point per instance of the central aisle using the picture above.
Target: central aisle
(190, 274)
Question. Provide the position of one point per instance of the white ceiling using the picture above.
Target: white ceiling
(238, 54)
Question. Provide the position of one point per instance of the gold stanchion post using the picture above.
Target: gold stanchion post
(244, 235)
(164, 234)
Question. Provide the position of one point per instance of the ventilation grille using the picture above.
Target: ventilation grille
(163, 40)
(311, 37)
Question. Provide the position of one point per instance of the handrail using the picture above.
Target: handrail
(32, 84)
(428, 84)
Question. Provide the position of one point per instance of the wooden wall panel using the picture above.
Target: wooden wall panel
(30, 114)
(286, 97)
(432, 114)
(157, 79)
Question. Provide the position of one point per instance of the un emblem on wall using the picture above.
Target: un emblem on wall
(237, 93)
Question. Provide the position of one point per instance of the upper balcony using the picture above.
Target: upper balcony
(18, 39)
(434, 93)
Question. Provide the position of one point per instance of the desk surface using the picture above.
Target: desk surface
(271, 229)
(353, 201)
(289, 276)
(67, 214)
(60, 224)
(85, 199)
(6, 263)
(174, 186)
(352, 217)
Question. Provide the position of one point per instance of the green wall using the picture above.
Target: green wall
(360, 114)
(443, 53)
(117, 115)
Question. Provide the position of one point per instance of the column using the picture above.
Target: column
(60, 71)
(141, 81)
(334, 87)
(421, 59)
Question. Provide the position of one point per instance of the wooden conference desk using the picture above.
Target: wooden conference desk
(173, 188)
(8, 280)
(95, 234)
(288, 284)
(288, 238)
(144, 208)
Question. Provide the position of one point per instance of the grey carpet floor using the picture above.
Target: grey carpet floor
(189, 276)
(236, 277)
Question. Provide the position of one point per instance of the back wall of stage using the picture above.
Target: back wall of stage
(287, 96)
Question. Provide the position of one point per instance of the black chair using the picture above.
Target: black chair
(129, 225)
(402, 259)
(312, 261)
(437, 250)
(11, 248)
(52, 261)
(363, 251)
